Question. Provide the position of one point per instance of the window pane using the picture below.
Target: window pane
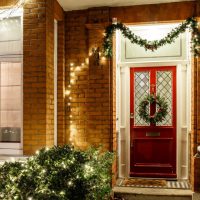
(10, 102)
(141, 89)
(164, 89)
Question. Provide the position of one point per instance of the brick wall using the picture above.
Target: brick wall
(76, 52)
(34, 79)
(7, 3)
(89, 117)
(38, 65)
(49, 72)
(93, 95)
(91, 121)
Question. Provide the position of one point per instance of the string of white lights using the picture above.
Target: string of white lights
(10, 11)
(68, 93)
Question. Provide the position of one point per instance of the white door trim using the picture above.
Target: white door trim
(55, 81)
(182, 121)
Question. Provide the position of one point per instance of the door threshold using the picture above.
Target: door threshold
(153, 183)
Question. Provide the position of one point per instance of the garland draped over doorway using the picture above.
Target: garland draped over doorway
(190, 23)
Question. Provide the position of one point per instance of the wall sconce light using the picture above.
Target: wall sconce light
(95, 55)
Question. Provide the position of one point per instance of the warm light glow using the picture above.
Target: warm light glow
(37, 152)
(90, 54)
(87, 61)
(83, 64)
(67, 92)
(103, 58)
(71, 68)
(70, 116)
(69, 104)
(71, 64)
(70, 98)
(78, 68)
(72, 74)
(20, 2)
(72, 81)
(69, 86)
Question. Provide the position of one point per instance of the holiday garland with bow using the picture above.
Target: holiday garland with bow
(190, 23)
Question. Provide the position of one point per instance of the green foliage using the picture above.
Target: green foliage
(59, 173)
(190, 23)
(158, 116)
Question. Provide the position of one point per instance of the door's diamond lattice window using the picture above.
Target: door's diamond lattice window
(164, 89)
(141, 89)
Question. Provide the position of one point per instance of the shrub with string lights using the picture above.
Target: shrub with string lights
(59, 173)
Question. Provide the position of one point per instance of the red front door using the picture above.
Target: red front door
(153, 146)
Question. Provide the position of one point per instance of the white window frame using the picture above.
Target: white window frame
(14, 148)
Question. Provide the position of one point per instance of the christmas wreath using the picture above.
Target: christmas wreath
(161, 112)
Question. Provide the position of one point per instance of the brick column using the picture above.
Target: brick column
(39, 74)
(34, 76)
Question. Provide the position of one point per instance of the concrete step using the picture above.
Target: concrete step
(131, 193)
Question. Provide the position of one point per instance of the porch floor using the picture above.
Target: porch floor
(169, 184)
(132, 193)
(153, 191)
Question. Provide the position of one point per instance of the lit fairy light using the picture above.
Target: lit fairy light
(69, 183)
(62, 193)
(103, 58)
(87, 61)
(78, 68)
(37, 152)
(72, 74)
(72, 81)
(67, 92)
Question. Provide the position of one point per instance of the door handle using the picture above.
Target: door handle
(132, 145)
(132, 115)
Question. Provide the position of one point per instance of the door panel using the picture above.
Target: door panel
(153, 147)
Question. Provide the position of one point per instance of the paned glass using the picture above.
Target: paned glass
(141, 89)
(164, 89)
